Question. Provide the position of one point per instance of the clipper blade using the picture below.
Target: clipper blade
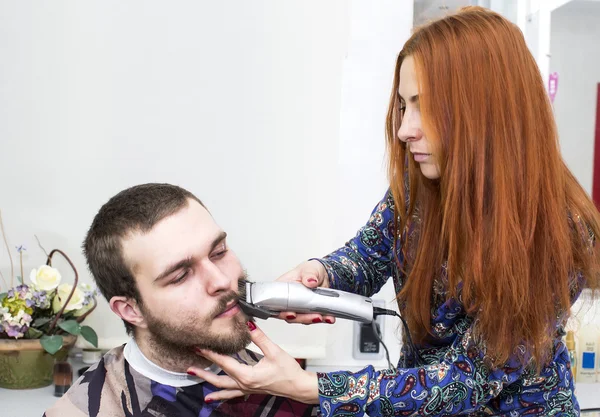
(245, 302)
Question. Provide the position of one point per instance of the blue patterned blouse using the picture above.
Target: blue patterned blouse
(455, 379)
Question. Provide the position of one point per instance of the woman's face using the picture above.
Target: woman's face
(411, 131)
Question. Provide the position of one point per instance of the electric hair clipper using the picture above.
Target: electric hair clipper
(268, 299)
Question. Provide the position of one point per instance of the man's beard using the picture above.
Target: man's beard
(176, 341)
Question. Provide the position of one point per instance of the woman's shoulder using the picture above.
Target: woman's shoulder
(578, 224)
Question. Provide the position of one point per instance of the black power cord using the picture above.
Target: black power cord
(412, 350)
(379, 337)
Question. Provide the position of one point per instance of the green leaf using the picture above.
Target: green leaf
(68, 316)
(51, 344)
(33, 333)
(3, 296)
(71, 326)
(90, 335)
(40, 322)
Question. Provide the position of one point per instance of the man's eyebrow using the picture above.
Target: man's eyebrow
(220, 238)
(184, 263)
(189, 262)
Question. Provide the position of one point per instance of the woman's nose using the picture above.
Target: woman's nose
(410, 129)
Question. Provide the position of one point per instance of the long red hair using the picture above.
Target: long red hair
(500, 214)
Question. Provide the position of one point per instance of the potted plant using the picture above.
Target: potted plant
(39, 323)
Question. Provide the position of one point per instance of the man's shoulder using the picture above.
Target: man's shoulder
(87, 392)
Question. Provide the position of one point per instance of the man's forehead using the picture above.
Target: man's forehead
(186, 233)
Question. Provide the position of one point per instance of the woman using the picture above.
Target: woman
(486, 233)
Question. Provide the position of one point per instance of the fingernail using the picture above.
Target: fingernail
(290, 317)
(312, 280)
(329, 321)
(198, 350)
(317, 320)
(251, 326)
(191, 373)
(208, 400)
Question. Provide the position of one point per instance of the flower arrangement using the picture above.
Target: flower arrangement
(46, 309)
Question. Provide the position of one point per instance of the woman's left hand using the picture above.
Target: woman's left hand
(277, 373)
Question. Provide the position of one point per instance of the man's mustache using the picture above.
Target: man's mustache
(228, 297)
(223, 301)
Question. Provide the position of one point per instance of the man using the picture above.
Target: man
(164, 265)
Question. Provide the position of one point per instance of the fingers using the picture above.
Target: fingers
(219, 381)
(329, 319)
(287, 316)
(224, 395)
(310, 279)
(260, 339)
(291, 276)
(227, 363)
(315, 271)
(314, 318)
(311, 274)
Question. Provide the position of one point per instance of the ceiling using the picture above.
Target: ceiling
(426, 10)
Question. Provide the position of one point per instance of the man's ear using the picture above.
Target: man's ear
(128, 309)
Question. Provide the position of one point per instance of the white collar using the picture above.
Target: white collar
(149, 369)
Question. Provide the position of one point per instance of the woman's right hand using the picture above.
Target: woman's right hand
(312, 274)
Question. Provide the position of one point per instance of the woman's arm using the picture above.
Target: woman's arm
(365, 262)
(460, 383)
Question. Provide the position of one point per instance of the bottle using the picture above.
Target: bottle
(572, 353)
(63, 377)
(588, 346)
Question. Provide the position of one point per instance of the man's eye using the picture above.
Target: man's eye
(181, 277)
(219, 254)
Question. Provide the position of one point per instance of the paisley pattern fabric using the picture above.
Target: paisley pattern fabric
(456, 379)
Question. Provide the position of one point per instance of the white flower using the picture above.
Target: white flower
(87, 307)
(62, 293)
(5, 313)
(45, 278)
(21, 318)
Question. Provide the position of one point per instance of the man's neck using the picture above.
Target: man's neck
(170, 359)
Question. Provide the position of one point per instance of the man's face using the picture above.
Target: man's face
(188, 283)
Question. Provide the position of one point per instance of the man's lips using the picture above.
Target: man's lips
(230, 310)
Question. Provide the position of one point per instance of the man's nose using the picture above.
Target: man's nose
(216, 280)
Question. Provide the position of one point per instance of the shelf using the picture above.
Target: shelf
(588, 395)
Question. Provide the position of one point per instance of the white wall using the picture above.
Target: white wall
(575, 36)
(271, 112)
(236, 101)
(377, 33)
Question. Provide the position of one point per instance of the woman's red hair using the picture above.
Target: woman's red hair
(500, 213)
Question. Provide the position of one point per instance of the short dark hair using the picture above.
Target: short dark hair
(138, 208)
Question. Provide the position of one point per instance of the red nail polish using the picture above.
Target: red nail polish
(329, 321)
(251, 326)
(290, 317)
(191, 373)
(317, 320)
(208, 400)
